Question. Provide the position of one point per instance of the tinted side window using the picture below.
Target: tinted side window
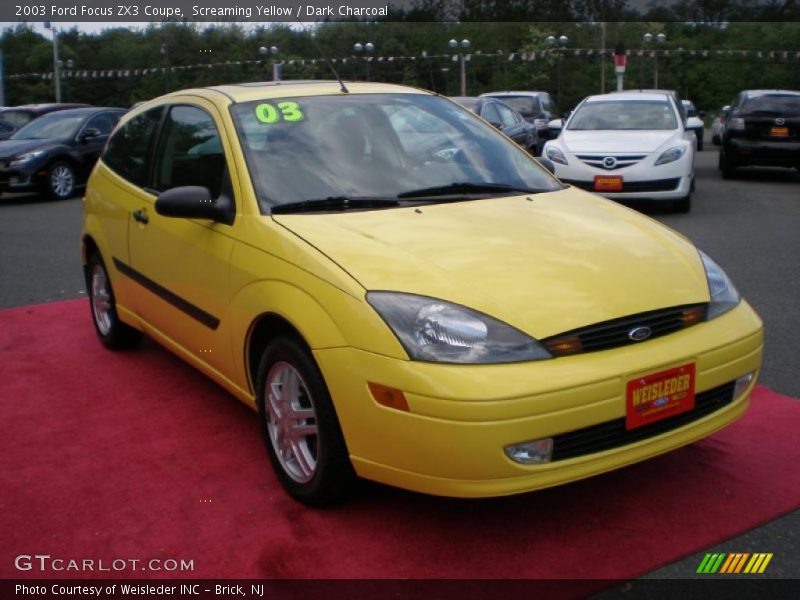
(190, 151)
(490, 113)
(104, 122)
(128, 150)
(507, 116)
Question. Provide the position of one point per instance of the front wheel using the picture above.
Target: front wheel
(60, 180)
(684, 205)
(113, 333)
(726, 165)
(298, 422)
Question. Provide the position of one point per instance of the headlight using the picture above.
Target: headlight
(723, 294)
(736, 124)
(671, 155)
(438, 331)
(556, 155)
(26, 158)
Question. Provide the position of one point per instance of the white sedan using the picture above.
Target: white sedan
(627, 146)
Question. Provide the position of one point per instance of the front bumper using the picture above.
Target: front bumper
(642, 181)
(23, 178)
(765, 153)
(461, 417)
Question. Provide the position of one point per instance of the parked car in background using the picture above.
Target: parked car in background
(56, 152)
(718, 125)
(6, 129)
(762, 129)
(503, 117)
(19, 116)
(454, 321)
(538, 108)
(627, 146)
(694, 122)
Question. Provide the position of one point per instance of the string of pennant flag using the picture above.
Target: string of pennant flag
(512, 56)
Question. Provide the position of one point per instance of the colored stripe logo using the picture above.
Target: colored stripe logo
(734, 562)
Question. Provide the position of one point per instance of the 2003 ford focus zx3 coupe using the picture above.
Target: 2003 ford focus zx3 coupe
(405, 295)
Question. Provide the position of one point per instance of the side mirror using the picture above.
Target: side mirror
(547, 164)
(90, 133)
(556, 124)
(193, 202)
(497, 125)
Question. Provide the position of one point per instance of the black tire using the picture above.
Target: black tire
(726, 166)
(331, 479)
(113, 333)
(715, 140)
(60, 181)
(684, 205)
(699, 142)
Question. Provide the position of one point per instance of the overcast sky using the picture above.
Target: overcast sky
(98, 27)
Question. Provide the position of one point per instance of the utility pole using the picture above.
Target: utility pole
(56, 66)
(603, 57)
(2, 82)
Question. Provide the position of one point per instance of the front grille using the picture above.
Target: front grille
(617, 332)
(613, 434)
(622, 161)
(656, 185)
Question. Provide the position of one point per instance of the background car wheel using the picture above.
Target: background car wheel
(684, 205)
(726, 166)
(699, 142)
(113, 333)
(60, 180)
(298, 422)
(715, 140)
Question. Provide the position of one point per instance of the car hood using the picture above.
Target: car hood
(616, 141)
(547, 265)
(11, 148)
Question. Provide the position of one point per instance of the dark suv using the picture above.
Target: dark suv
(762, 129)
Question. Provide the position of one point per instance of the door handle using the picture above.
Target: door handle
(141, 216)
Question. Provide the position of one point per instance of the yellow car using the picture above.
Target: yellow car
(405, 295)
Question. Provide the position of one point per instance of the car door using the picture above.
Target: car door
(181, 264)
(91, 139)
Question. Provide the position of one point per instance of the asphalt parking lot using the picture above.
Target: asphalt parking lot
(749, 225)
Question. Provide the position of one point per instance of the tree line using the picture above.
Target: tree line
(697, 59)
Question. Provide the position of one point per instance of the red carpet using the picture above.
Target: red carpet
(136, 455)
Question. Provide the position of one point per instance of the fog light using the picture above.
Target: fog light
(741, 384)
(534, 452)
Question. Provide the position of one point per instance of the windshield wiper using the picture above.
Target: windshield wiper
(466, 187)
(334, 203)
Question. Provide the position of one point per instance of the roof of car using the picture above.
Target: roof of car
(246, 92)
(764, 92)
(632, 95)
(87, 110)
(45, 107)
(514, 93)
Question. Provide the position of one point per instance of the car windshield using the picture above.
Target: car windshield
(52, 126)
(784, 104)
(624, 115)
(17, 118)
(383, 146)
(527, 106)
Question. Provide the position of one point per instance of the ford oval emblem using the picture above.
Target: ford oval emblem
(639, 334)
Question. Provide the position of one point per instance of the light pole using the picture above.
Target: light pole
(559, 43)
(659, 39)
(461, 46)
(367, 48)
(165, 53)
(276, 67)
(70, 64)
(56, 62)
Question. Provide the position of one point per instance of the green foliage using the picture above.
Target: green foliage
(174, 54)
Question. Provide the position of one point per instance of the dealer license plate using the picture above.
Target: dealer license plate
(659, 395)
(604, 183)
(779, 132)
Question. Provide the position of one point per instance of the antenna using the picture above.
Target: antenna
(343, 87)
